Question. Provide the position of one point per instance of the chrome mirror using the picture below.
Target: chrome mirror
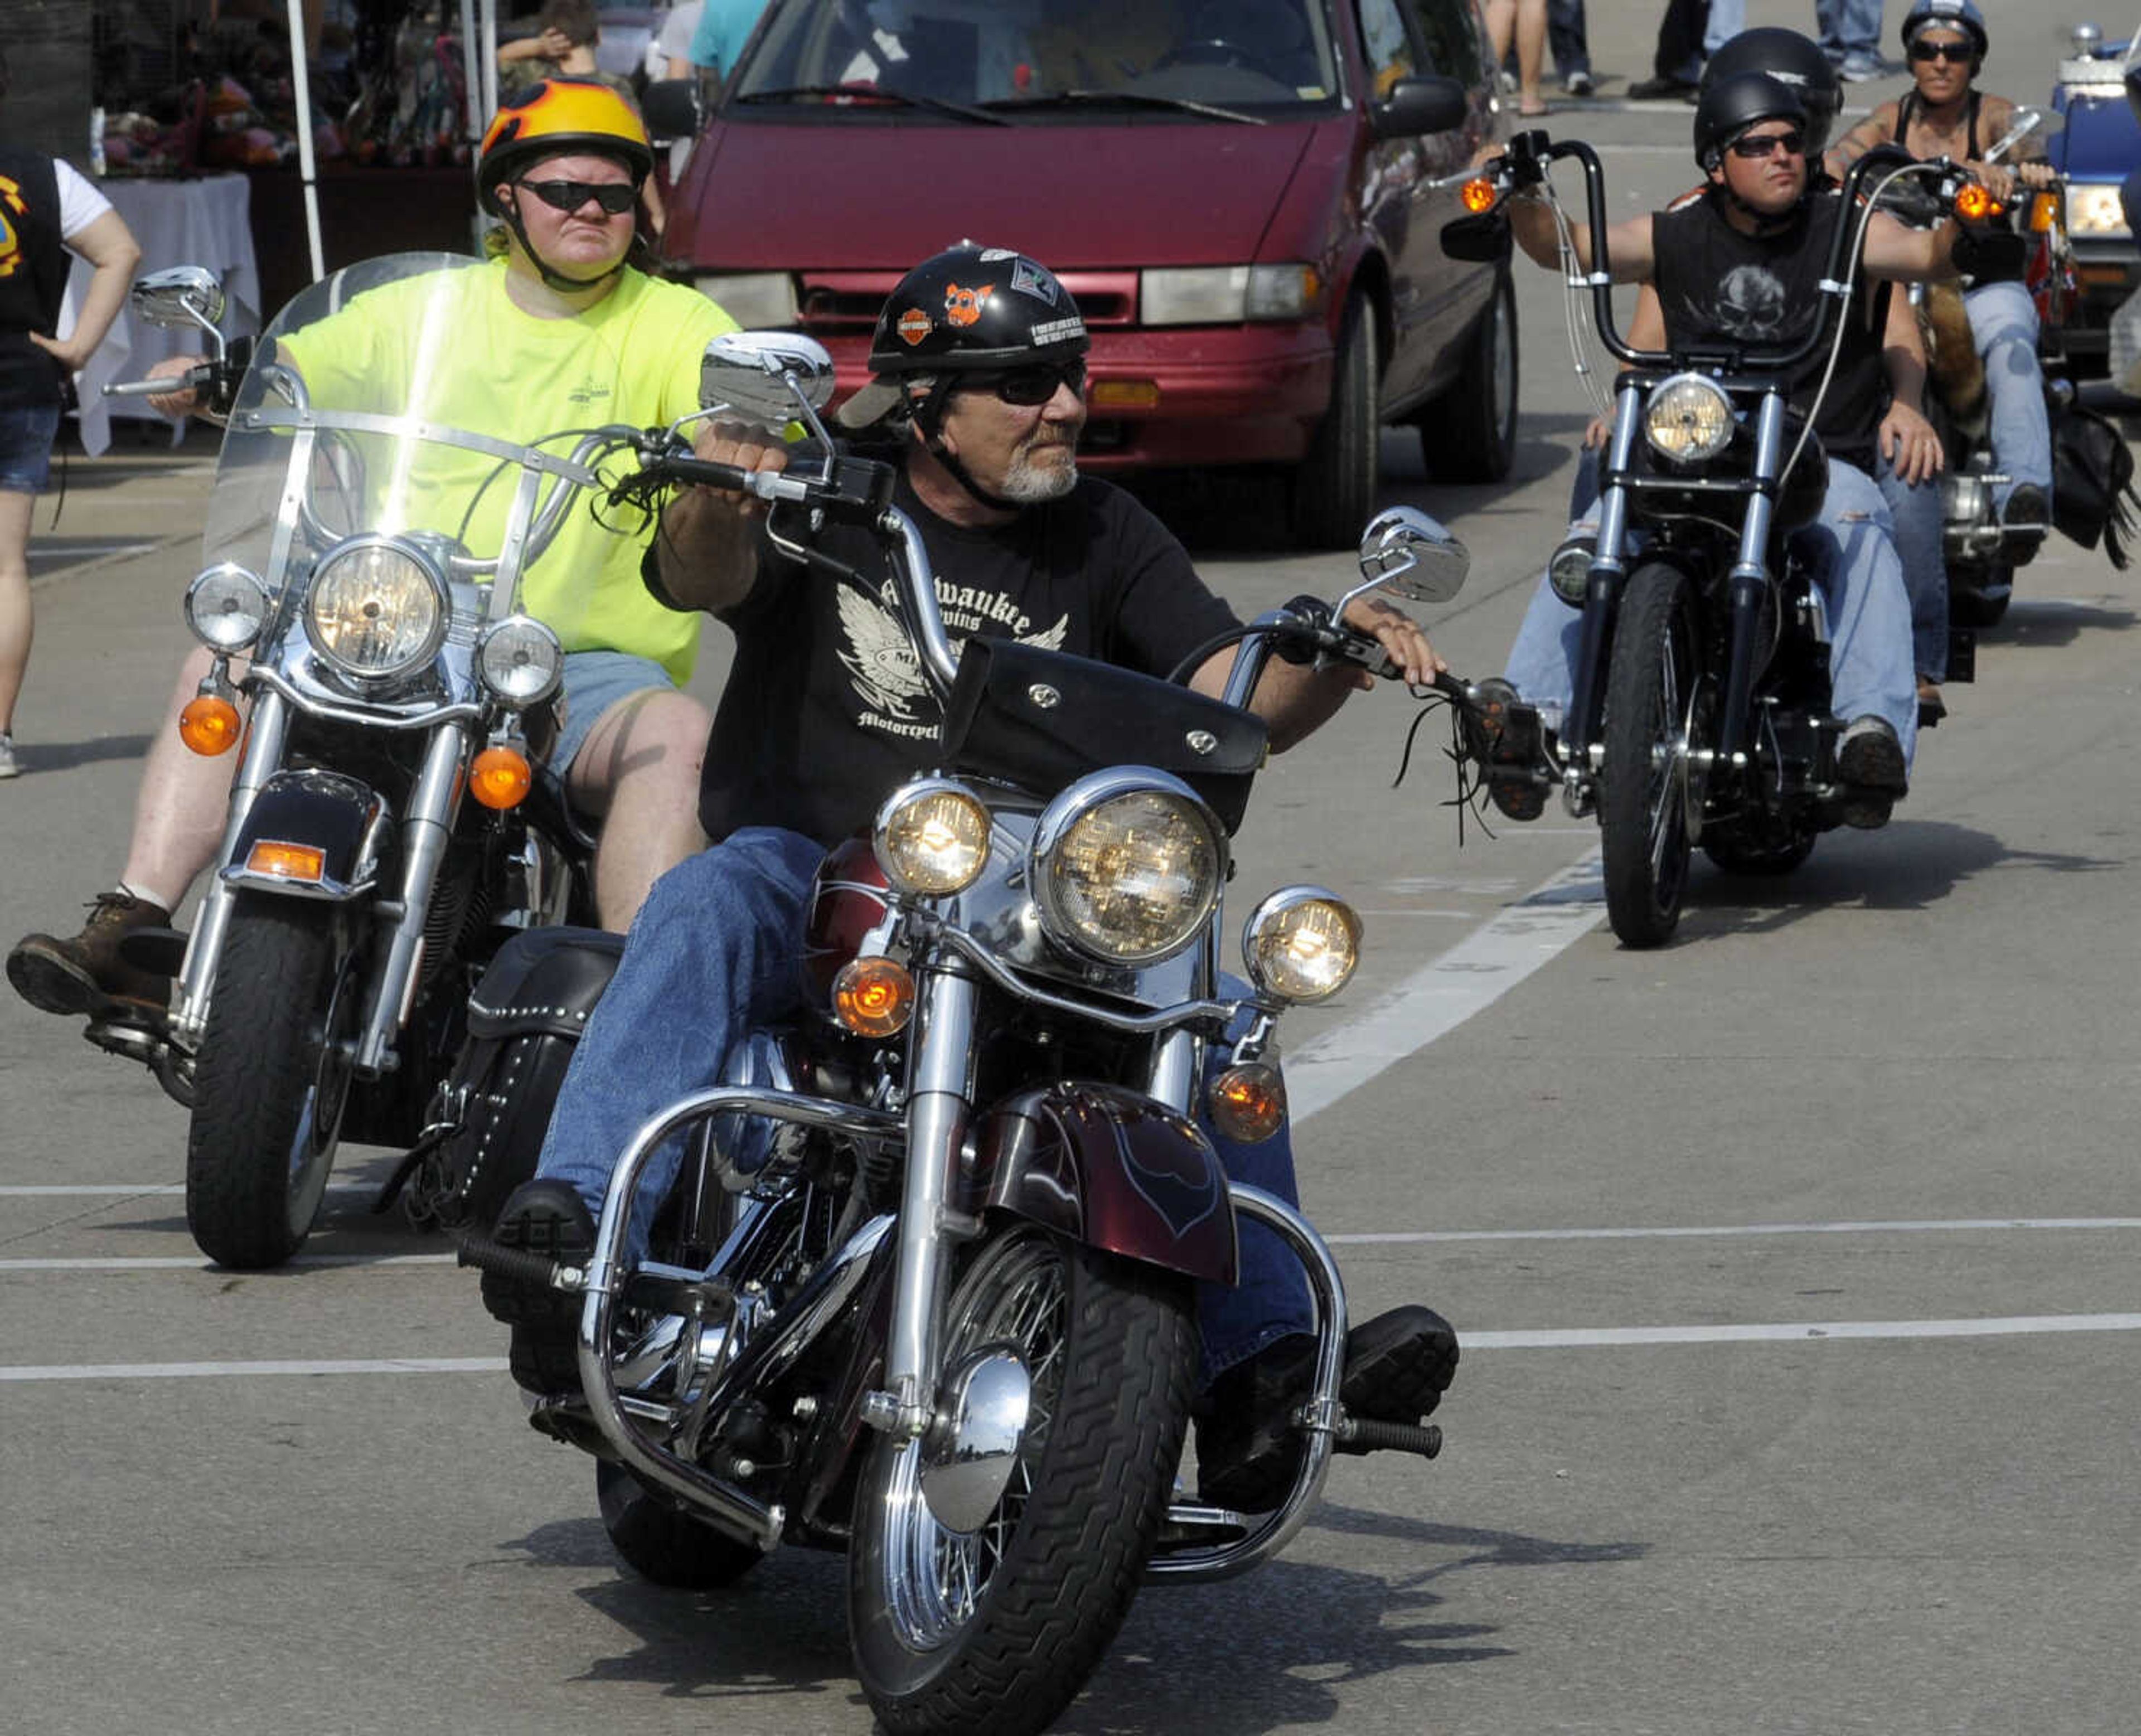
(1408, 554)
(2025, 122)
(766, 379)
(180, 295)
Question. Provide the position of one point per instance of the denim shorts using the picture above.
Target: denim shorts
(26, 448)
(594, 681)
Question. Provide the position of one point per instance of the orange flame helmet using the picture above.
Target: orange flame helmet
(556, 116)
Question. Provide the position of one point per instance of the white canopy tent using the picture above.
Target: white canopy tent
(479, 26)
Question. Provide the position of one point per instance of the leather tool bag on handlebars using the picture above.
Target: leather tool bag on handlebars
(1042, 719)
(525, 1021)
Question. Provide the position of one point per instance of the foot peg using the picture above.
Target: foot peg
(520, 1266)
(1362, 1434)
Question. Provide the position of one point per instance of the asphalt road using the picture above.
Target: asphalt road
(1794, 1263)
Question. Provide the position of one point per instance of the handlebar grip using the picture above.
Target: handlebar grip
(734, 478)
(195, 379)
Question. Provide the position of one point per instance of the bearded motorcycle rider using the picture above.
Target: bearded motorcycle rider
(559, 315)
(1740, 266)
(1943, 115)
(980, 363)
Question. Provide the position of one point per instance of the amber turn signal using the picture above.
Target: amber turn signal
(1479, 194)
(286, 861)
(499, 778)
(209, 725)
(1248, 1103)
(1974, 203)
(2044, 212)
(873, 997)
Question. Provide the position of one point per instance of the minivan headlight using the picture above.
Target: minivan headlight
(1126, 867)
(753, 299)
(1226, 295)
(226, 607)
(2095, 209)
(1688, 419)
(1302, 943)
(377, 608)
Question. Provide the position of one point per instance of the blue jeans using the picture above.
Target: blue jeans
(715, 952)
(1567, 37)
(2003, 319)
(1851, 548)
(1916, 513)
(1848, 26)
(1727, 19)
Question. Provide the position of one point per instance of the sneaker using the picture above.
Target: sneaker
(1871, 757)
(1931, 706)
(1398, 1365)
(10, 766)
(87, 974)
(1580, 84)
(1856, 69)
(2026, 517)
(546, 1217)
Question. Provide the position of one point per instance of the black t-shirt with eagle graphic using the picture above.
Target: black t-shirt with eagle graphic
(1718, 289)
(825, 710)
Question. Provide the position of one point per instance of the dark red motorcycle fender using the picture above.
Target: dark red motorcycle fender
(1109, 1168)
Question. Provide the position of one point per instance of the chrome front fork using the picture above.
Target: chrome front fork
(937, 1110)
(426, 829)
(267, 736)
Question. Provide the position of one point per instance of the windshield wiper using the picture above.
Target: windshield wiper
(864, 96)
(1135, 99)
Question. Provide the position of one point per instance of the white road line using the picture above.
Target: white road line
(1473, 975)
(1870, 1226)
(203, 1371)
(176, 1263)
(1555, 1338)
(84, 1190)
(1546, 1339)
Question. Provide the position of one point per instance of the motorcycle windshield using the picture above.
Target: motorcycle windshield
(362, 412)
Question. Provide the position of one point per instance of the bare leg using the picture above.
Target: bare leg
(639, 770)
(1501, 21)
(179, 811)
(1531, 53)
(16, 623)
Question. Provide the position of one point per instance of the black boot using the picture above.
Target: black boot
(1398, 1365)
(545, 1217)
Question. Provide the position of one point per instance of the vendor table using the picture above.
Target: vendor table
(175, 222)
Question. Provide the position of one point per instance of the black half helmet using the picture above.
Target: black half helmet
(969, 309)
(1727, 108)
(1790, 59)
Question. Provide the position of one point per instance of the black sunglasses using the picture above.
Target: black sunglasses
(1030, 386)
(1792, 144)
(1949, 51)
(614, 197)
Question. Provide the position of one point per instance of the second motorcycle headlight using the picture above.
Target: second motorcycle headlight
(1127, 867)
(377, 609)
(931, 838)
(1688, 419)
(520, 661)
(1302, 943)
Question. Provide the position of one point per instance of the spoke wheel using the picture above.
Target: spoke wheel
(996, 1629)
(1650, 794)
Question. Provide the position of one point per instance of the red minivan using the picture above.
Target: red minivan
(1244, 195)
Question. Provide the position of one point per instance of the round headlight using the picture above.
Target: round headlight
(377, 609)
(1127, 866)
(520, 660)
(932, 839)
(226, 608)
(1688, 419)
(1302, 943)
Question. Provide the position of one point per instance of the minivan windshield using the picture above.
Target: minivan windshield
(1144, 56)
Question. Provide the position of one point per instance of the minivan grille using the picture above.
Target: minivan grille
(846, 303)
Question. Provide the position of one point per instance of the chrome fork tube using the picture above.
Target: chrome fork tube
(424, 834)
(1751, 577)
(937, 1115)
(267, 736)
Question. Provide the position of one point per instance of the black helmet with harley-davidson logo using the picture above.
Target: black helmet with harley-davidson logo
(1791, 59)
(969, 309)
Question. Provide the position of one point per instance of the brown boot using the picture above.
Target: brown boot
(86, 975)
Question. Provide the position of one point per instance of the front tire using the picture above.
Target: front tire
(1652, 688)
(1334, 491)
(1470, 433)
(270, 1083)
(995, 1631)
